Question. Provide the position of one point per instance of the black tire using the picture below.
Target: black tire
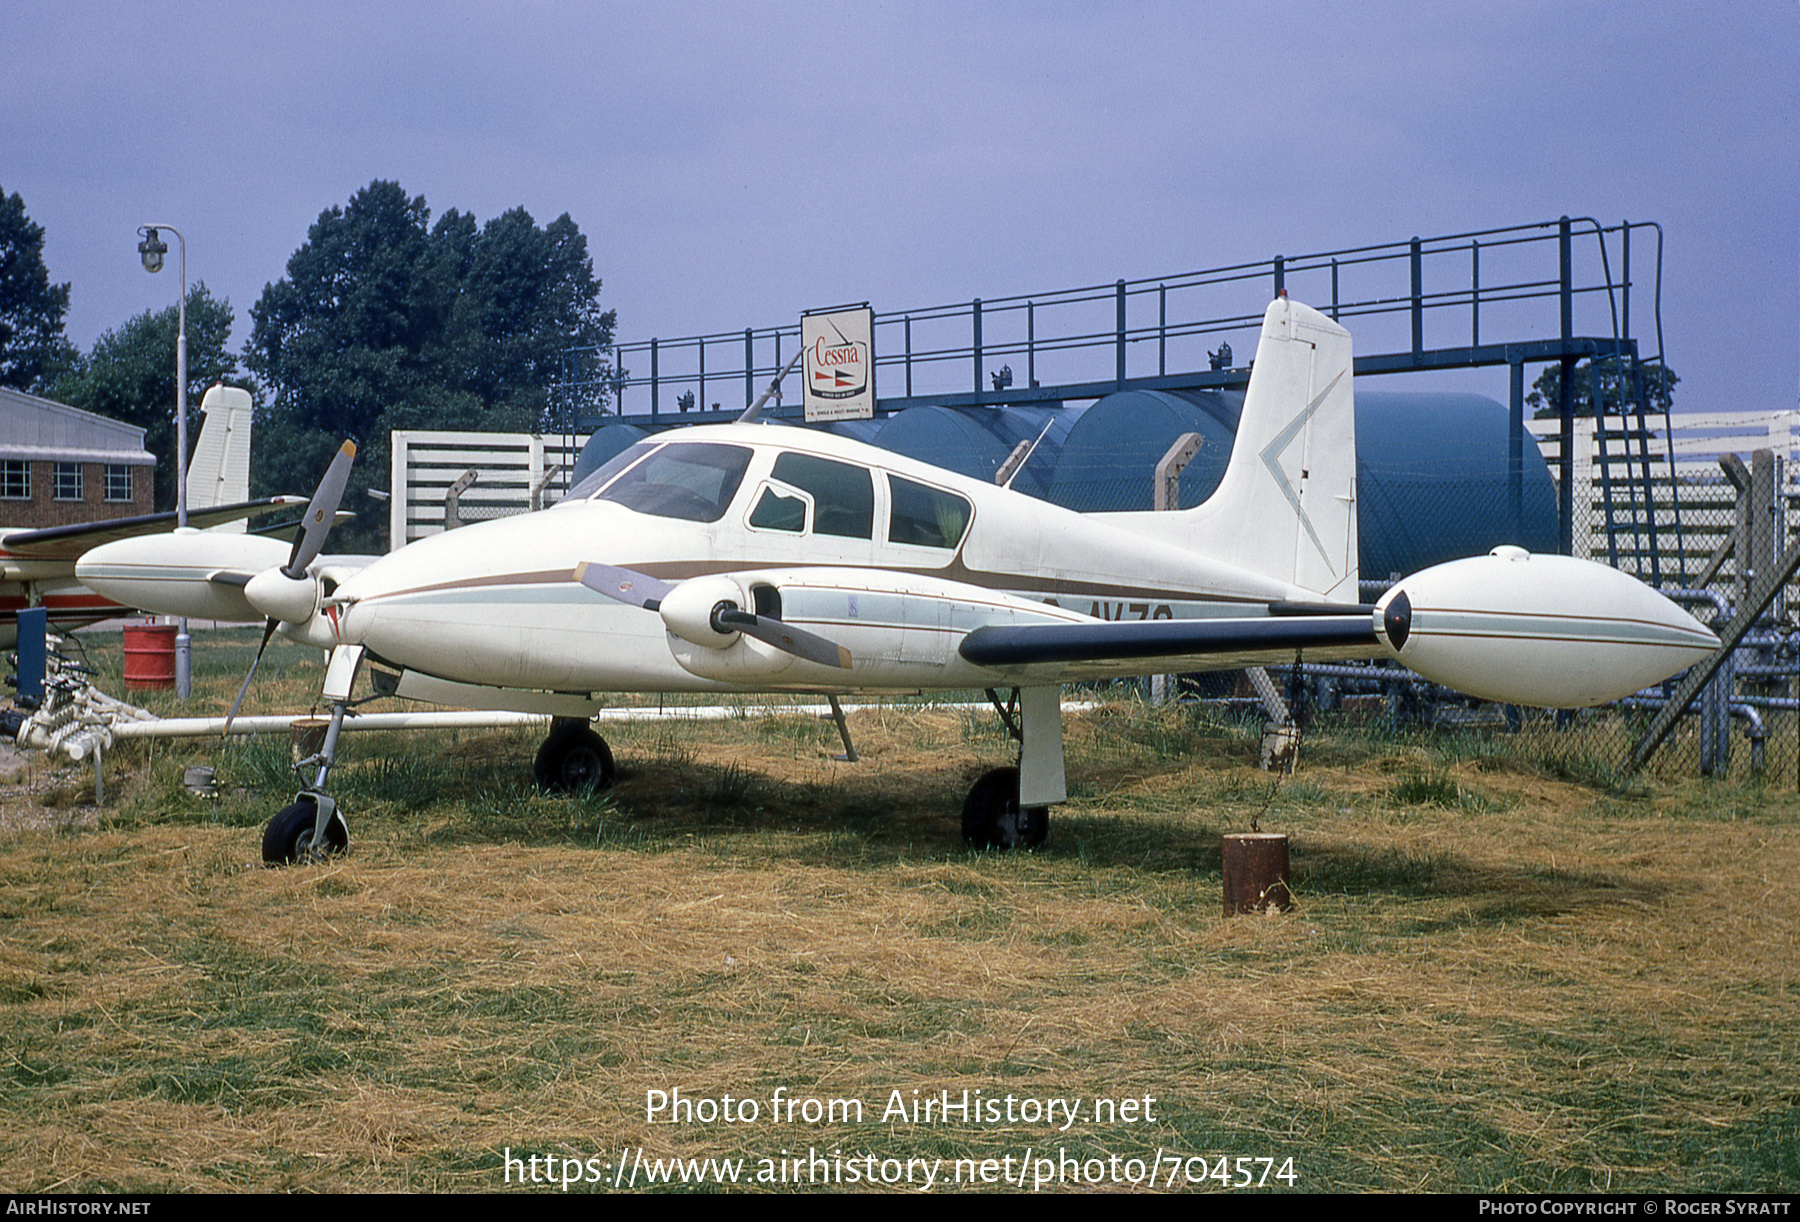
(992, 818)
(288, 838)
(573, 759)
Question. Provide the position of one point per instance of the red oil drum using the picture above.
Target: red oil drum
(149, 655)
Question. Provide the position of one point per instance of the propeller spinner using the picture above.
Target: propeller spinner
(289, 594)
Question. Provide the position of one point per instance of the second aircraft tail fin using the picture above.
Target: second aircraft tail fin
(219, 471)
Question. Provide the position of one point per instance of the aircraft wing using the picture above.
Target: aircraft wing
(882, 624)
(69, 542)
(1107, 649)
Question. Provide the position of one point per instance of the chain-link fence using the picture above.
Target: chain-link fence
(1736, 521)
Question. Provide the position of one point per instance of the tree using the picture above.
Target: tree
(1616, 387)
(130, 375)
(350, 329)
(385, 321)
(525, 296)
(33, 350)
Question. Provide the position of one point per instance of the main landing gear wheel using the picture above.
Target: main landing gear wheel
(573, 759)
(289, 836)
(993, 819)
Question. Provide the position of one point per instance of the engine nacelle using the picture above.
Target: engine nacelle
(168, 574)
(1541, 630)
(701, 648)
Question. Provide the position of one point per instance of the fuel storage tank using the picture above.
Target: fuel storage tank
(1431, 467)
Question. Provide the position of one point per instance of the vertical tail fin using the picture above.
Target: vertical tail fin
(1286, 506)
(219, 472)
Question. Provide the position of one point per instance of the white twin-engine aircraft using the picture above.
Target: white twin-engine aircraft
(743, 557)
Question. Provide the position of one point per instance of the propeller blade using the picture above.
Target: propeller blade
(268, 631)
(626, 585)
(321, 512)
(785, 637)
(642, 590)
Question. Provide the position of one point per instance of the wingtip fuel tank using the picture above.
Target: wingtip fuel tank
(178, 573)
(1541, 630)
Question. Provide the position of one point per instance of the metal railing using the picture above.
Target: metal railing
(1422, 303)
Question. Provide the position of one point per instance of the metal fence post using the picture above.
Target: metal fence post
(1119, 343)
(1418, 303)
(977, 312)
(1162, 330)
(1515, 444)
(1474, 294)
(908, 356)
(1030, 344)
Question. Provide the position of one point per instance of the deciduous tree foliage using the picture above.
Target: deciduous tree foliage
(33, 349)
(1616, 386)
(130, 375)
(385, 321)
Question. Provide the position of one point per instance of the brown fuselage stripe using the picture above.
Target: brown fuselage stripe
(680, 570)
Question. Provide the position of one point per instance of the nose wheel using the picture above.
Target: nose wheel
(311, 827)
(573, 759)
(309, 830)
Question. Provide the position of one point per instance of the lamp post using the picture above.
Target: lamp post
(152, 249)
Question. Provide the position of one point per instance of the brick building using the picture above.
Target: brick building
(60, 465)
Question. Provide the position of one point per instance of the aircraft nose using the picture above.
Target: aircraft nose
(358, 605)
(439, 600)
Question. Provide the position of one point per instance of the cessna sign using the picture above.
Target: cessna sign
(840, 364)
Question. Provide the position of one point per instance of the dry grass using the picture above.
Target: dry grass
(1495, 978)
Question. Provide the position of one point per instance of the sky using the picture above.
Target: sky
(734, 164)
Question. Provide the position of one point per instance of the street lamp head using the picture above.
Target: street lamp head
(152, 249)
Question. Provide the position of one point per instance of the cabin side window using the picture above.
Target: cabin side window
(925, 516)
(780, 509)
(843, 494)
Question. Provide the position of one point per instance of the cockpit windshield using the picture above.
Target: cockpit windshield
(692, 480)
(603, 475)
